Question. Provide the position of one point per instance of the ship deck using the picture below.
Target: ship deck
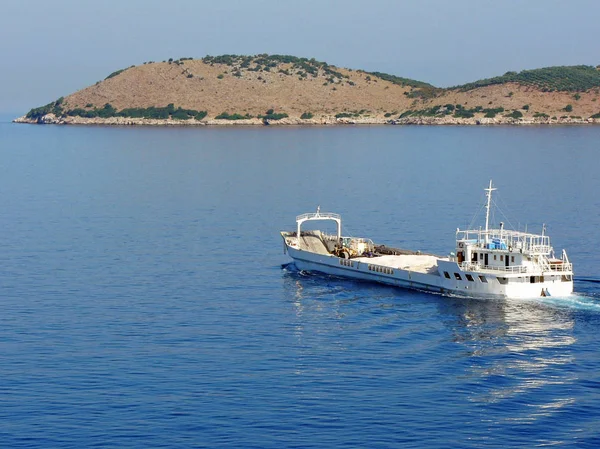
(418, 263)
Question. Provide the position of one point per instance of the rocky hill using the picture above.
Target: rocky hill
(279, 89)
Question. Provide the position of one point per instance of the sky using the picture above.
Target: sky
(52, 48)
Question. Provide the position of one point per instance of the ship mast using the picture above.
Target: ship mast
(489, 191)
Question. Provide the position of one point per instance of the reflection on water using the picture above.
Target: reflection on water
(514, 356)
(518, 352)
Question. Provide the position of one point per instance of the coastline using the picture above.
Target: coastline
(51, 119)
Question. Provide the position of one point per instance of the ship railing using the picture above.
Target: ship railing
(319, 215)
(560, 266)
(540, 249)
(518, 240)
(516, 269)
(504, 233)
(510, 269)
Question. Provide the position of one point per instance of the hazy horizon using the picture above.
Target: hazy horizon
(54, 49)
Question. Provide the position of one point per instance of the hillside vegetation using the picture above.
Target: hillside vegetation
(577, 78)
(288, 89)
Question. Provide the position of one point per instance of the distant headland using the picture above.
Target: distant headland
(287, 90)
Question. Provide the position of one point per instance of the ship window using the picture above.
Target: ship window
(469, 277)
(494, 257)
(480, 256)
(503, 280)
(457, 276)
(447, 275)
(512, 259)
(483, 279)
(501, 258)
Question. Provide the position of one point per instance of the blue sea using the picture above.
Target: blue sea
(146, 301)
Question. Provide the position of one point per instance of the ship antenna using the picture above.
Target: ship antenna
(489, 191)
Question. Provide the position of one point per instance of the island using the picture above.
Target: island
(287, 90)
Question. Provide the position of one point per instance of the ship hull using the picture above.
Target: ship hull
(432, 281)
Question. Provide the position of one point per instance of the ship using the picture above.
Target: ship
(486, 262)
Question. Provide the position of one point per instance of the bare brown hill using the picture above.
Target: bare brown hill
(288, 90)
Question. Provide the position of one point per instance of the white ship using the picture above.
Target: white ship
(486, 262)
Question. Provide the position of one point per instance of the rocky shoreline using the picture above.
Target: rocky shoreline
(51, 119)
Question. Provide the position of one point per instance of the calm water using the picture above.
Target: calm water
(144, 303)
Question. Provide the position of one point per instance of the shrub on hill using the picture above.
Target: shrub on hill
(515, 114)
(561, 78)
(266, 62)
(272, 115)
(351, 114)
(118, 72)
(227, 116)
(152, 112)
(54, 107)
(400, 80)
(491, 112)
(107, 111)
(307, 116)
(464, 113)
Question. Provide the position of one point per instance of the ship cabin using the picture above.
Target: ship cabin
(508, 251)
